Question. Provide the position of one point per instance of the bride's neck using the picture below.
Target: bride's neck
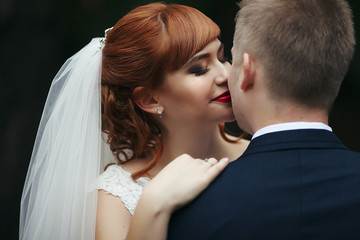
(197, 142)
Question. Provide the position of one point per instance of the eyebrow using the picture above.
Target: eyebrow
(202, 56)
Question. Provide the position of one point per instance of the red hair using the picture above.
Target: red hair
(142, 46)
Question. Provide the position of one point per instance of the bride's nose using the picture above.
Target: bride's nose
(223, 70)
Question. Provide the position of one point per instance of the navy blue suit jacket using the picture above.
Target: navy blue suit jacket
(299, 184)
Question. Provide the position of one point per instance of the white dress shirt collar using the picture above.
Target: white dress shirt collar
(291, 126)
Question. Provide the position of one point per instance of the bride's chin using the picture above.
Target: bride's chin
(228, 117)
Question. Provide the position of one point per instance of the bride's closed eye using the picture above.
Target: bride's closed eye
(198, 70)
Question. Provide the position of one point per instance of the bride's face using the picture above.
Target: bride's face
(198, 92)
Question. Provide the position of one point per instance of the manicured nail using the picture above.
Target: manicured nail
(226, 159)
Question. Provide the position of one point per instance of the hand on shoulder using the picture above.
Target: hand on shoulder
(182, 180)
(174, 186)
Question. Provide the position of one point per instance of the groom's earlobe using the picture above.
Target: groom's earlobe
(248, 78)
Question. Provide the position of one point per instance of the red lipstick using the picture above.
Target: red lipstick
(224, 97)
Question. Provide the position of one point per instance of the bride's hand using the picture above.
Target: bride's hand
(174, 186)
(182, 180)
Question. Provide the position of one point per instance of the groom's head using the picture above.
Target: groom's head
(301, 49)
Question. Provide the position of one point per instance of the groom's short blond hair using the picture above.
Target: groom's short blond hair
(305, 46)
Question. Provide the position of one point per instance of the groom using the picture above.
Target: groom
(296, 180)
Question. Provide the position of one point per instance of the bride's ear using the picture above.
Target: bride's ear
(146, 100)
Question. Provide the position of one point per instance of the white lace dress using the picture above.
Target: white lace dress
(118, 182)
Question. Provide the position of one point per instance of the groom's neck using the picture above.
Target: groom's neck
(283, 113)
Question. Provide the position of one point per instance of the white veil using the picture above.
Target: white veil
(59, 195)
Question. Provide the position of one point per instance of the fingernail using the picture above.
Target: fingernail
(226, 159)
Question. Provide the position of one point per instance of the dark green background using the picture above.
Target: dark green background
(36, 37)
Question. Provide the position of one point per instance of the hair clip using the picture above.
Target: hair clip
(103, 39)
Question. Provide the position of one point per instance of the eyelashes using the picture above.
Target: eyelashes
(198, 70)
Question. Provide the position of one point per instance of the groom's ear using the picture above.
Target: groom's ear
(249, 70)
(146, 100)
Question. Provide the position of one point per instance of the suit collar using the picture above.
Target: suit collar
(291, 126)
(295, 139)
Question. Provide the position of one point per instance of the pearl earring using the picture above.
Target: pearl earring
(159, 111)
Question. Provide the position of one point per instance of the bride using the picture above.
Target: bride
(133, 102)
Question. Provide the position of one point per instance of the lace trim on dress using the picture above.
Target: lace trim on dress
(118, 182)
